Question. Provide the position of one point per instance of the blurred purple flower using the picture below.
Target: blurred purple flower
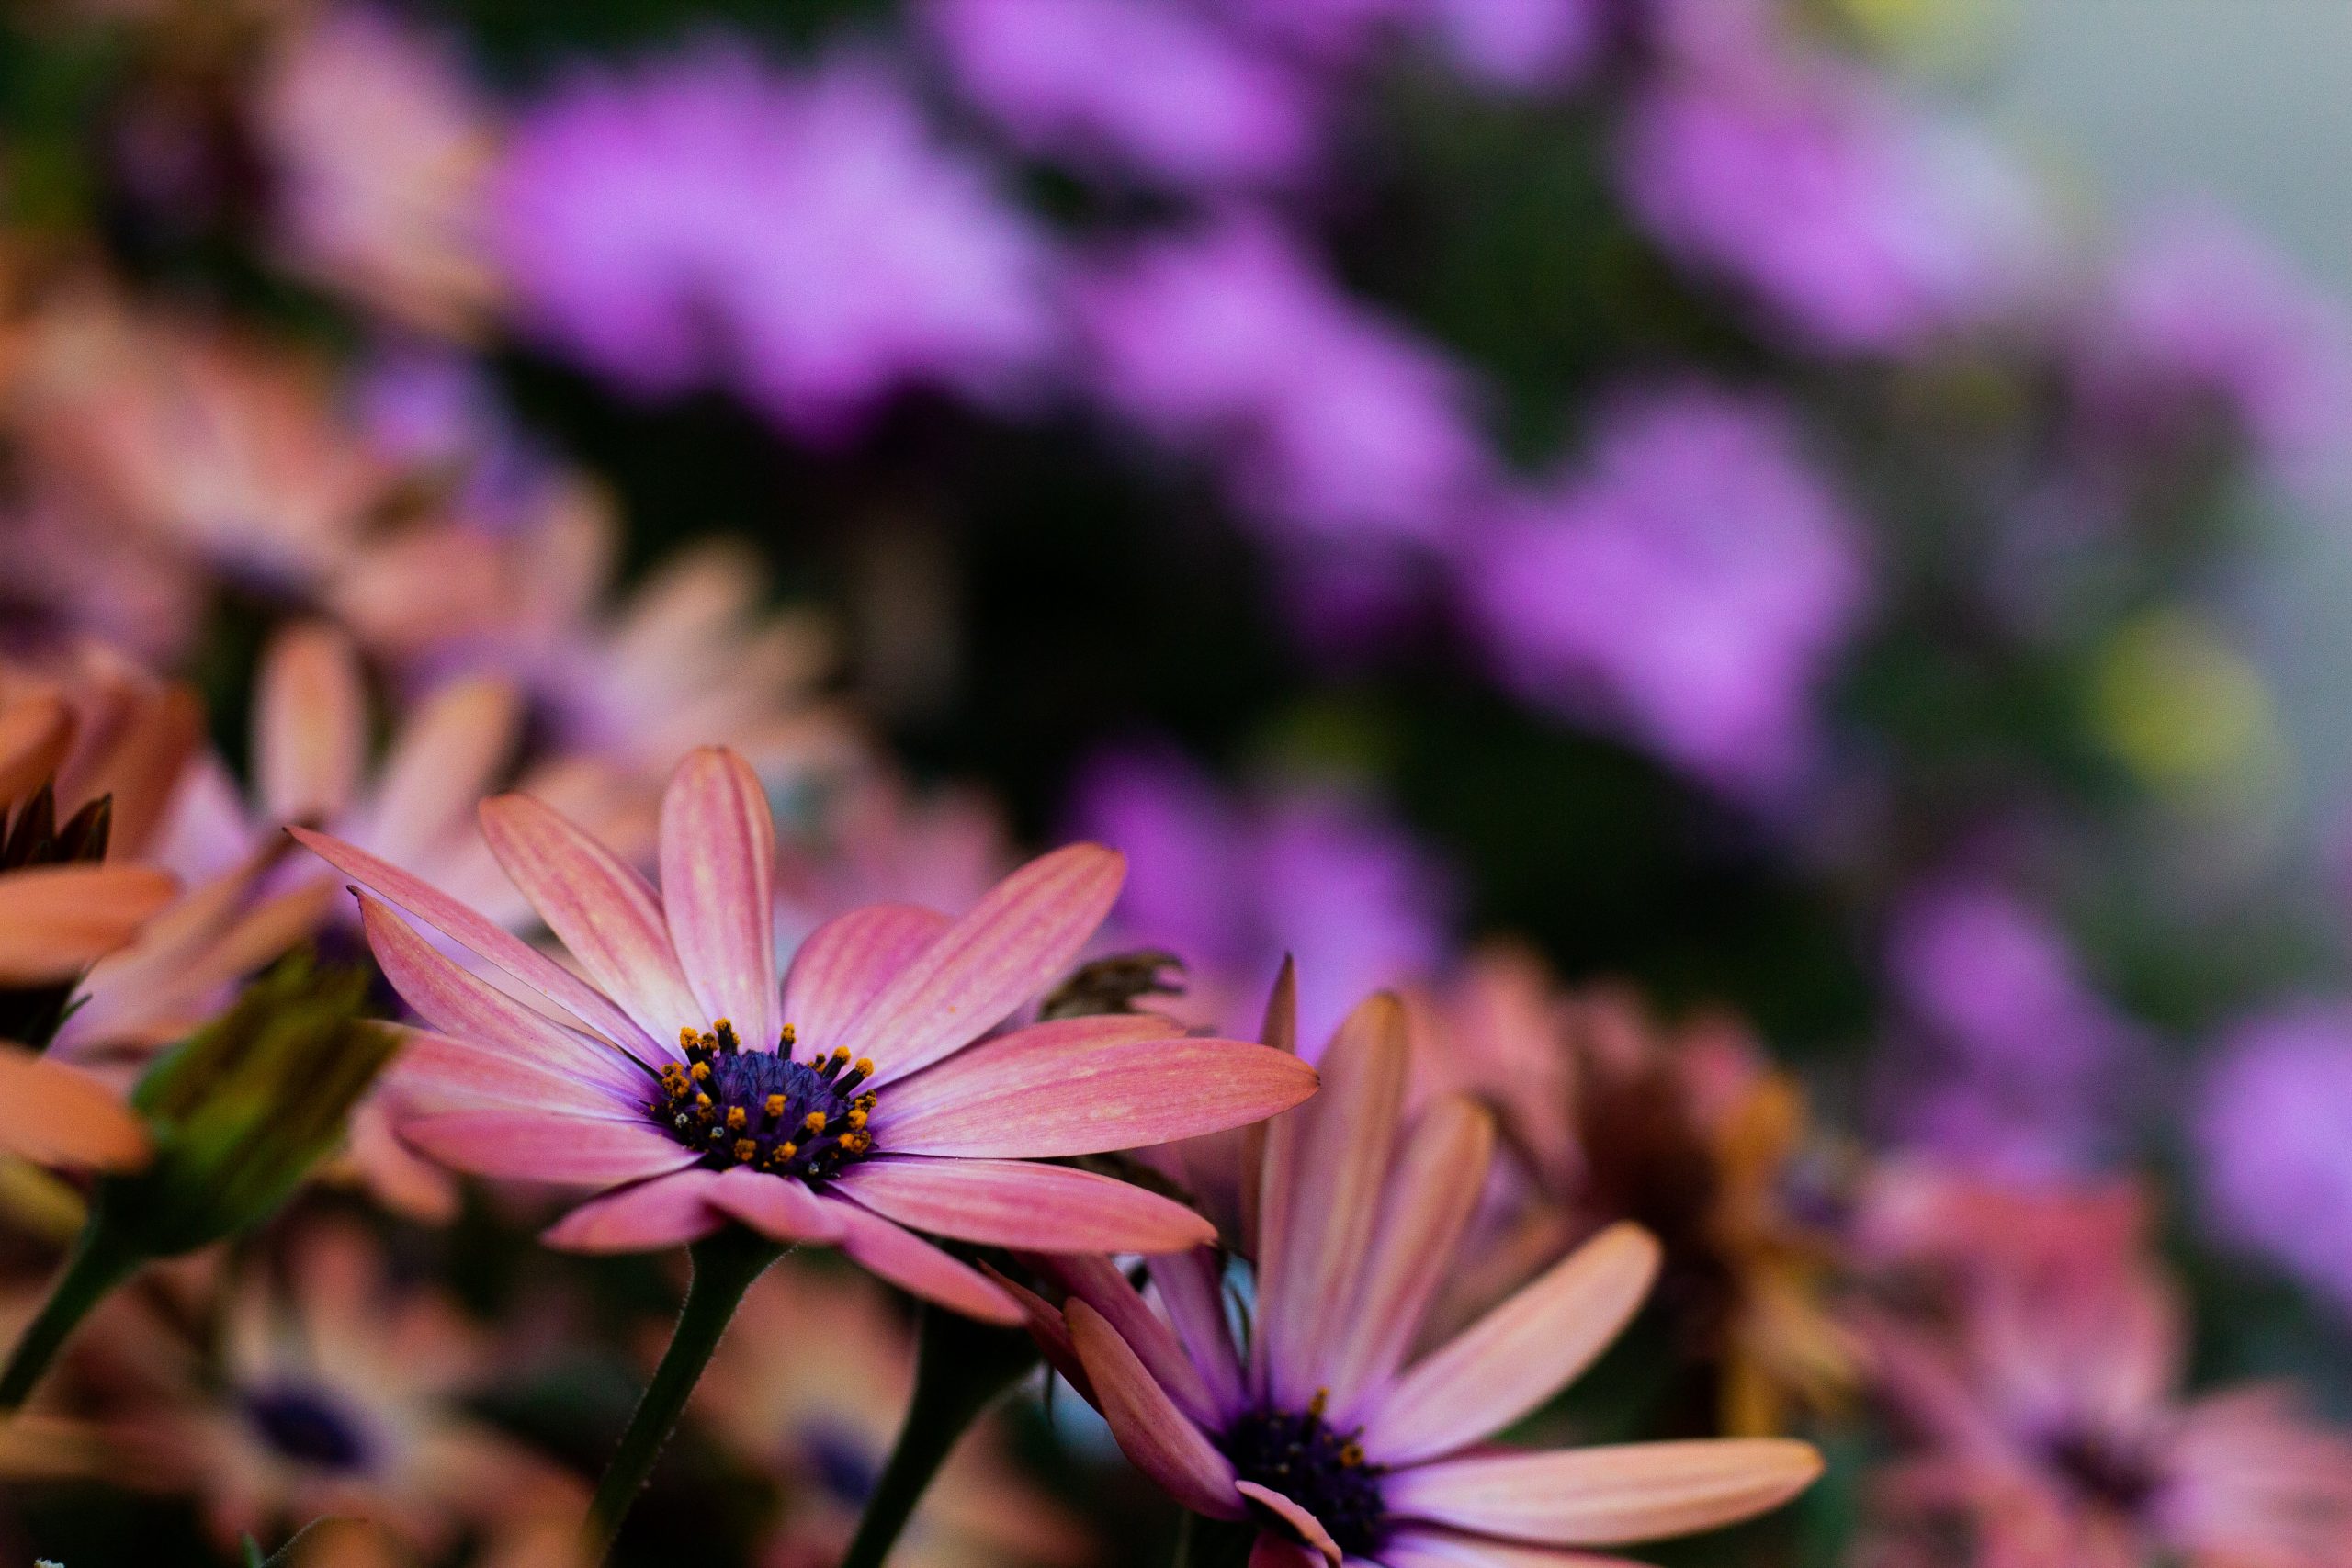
(1859, 222)
(2201, 320)
(1232, 884)
(800, 236)
(1149, 87)
(2008, 1061)
(1328, 419)
(1693, 582)
(1522, 45)
(2274, 1134)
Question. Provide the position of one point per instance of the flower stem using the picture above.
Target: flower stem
(725, 1265)
(97, 1264)
(960, 1368)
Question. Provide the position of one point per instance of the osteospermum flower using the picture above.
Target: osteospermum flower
(677, 1081)
(1320, 1432)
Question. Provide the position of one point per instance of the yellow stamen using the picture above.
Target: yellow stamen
(745, 1148)
(814, 1121)
(735, 1119)
(790, 1036)
(856, 1119)
(776, 1105)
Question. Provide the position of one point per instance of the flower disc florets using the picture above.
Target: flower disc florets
(762, 1109)
(1322, 1469)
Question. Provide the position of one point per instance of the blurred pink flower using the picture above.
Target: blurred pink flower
(1328, 420)
(892, 1123)
(2273, 1125)
(1693, 584)
(1320, 1433)
(801, 237)
(1151, 88)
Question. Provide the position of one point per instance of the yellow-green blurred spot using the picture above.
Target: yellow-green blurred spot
(2178, 704)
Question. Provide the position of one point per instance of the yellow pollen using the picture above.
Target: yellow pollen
(864, 1067)
(1316, 1405)
(735, 1118)
(785, 1151)
(776, 1105)
(814, 1121)
(703, 1100)
(700, 1072)
(745, 1148)
(790, 1036)
(1352, 1455)
(867, 1102)
(685, 1037)
(856, 1118)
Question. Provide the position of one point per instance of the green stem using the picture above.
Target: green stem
(724, 1267)
(97, 1264)
(960, 1369)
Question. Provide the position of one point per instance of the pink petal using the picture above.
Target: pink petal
(1102, 1285)
(1045, 1325)
(1607, 1496)
(36, 732)
(844, 964)
(444, 758)
(53, 1115)
(669, 1211)
(1150, 1430)
(1424, 1548)
(510, 952)
(1278, 1030)
(779, 1207)
(310, 723)
(916, 1266)
(1273, 1550)
(1041, 1208)
(1519, 1355)
(459, 1004)
(1317, 1541)
(1431, 1194)
(1192, 1286)
(434, 1074)
(603, 912)
(718, 889)
(1084, 1085)
(1326, 1163)
(553, 1146)
(1022, 934)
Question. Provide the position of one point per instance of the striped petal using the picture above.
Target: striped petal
(558, 1147)
(460, 1004)
(1420, 1547)
(917, 1266)
(53, 1115)
(719, 890)
(310, 725)
(1326, 1164)
(508, 951)
(1082, 1086)
(1431, 1194)
(1020, 937)
(1607, 1496)
(1277, 1029)
(1039, 1208)
(778, 1207)
(1150, 1430)
(1102, 1285)
(669, 1211)
(55, 920)
(1519, 1354)
(604, 913)
(434, 1074)
(1192, 1286)
(844, 964)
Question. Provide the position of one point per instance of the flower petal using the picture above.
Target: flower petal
(1326, 1163)
(310, 723)
(53, 1115)
(669, 1211)
(1020, 935)
(444, 758)
(519, 958)
(1607, 1496)
(434, 1074)
(1102, 1285)
(1041, 1208)
(844, 964)
(916, 1266)
(604, 913)
(1420, 1547)
(778, 1207)
(1192, 1287)
(35, 733)
(459, 1004)
(1317, 1541)
(1045, 1325)
(1082, 1086)
(55, 920)
(1431, 1193)
(1272, 1550)
(1278, 1030)
(1150, 1430)
(719, 890)
(1519, 1354)
(561, 1147)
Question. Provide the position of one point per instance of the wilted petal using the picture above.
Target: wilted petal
(310, 725)
(844, 964)
(1606, 1496)
(1150, 1430)
(1519, 1354)
(1020, 937)
(53, 1115)
(668, 1211)
(719, 890)
(605, 914)
(554, 1146)
(1082, 1086)
(1040, 1208)
(915, 1265)
(55, 920)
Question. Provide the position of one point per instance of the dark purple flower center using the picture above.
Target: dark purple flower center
(762, 1109)
(1298, 1454)
(309, 1426)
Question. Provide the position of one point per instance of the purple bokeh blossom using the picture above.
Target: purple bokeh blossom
(1692, 582)
(2274, 1136)
(1231, 884)
(1327, 419)
(800, 236)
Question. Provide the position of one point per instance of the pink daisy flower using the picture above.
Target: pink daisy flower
(859, 1105)
(1319, 1431)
